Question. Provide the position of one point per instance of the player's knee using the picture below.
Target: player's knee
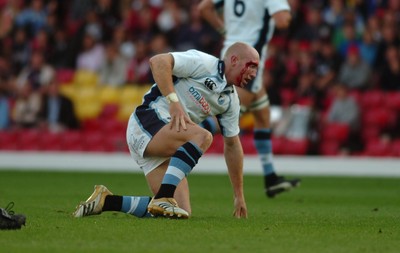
(204, 139)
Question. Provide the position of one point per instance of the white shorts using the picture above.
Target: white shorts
(142, 126)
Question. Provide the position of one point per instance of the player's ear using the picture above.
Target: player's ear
(234, 59)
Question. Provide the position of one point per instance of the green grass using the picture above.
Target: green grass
(325, 214)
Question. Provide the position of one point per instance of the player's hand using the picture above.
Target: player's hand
(240, 208)
(179, 118)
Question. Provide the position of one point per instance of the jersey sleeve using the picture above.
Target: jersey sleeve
(186, 64)
(229, 121)
(274, 6)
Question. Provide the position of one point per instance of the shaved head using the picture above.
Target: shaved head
(241, 63)
(241, 50)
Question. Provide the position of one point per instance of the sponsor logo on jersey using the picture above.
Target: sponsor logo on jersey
(221, 99)
(210, 84)
(199, 100)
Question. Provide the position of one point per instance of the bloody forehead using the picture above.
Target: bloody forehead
(249, 63)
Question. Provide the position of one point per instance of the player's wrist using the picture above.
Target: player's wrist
(172, 98)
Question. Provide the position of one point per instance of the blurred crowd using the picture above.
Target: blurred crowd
(334, 51)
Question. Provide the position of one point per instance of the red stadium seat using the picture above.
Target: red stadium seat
(379, 117)
(370, 133)
(72, 141)
(295, 147)
(28, 139)
(329, 148)
(8, 140)
(217, 146)
(247, 141)
(65, 76)
(378, 148)
(335, 132)
(372, 99)
(287, 97)
(50, 141)
(392, 101)
(395, 147)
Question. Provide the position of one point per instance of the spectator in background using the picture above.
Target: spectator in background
(368, 48)
(349, 38)
(327, 65)
(4, 106)
(113, 69)
(108, 12)
(195, 34)
(171, 16)
(57, 111)
(92, 54)
(122, 41)
(5, 76)
(37, 74)
(345, 110)
(61, 56)
(314, 26)
(21, 50)
(355, 72)
(32, 18)
(159, 44)
(141, 20)
(390, 37)
(7, 16)
(25, 113)
(138, 71)
(390, 72)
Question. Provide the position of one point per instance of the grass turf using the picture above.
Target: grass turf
(325, 214)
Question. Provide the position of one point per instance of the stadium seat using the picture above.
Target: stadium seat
(50, 141)
(28, 139)
(395, 147)
(247, 141)
(97, 142)
(329, 148)
(372, 99)
(379, 117)
(287, 97)
(125, 111)
(65, 76)
(8, 140)
(217, 146)
(370, 133)
(335, 132)
(108, 95)
(85, 78)
(114, 126)
(392, 101)
(378, 148)
(295, 147)
(109, 111)
(278, 144)
(72, 141)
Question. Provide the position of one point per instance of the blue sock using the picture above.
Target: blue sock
(136, 206)
(180, 165)
(263, 144)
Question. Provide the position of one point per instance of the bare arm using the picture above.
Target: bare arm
(234, 159)
(161, 67)
(208, 12)
(282, 19)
